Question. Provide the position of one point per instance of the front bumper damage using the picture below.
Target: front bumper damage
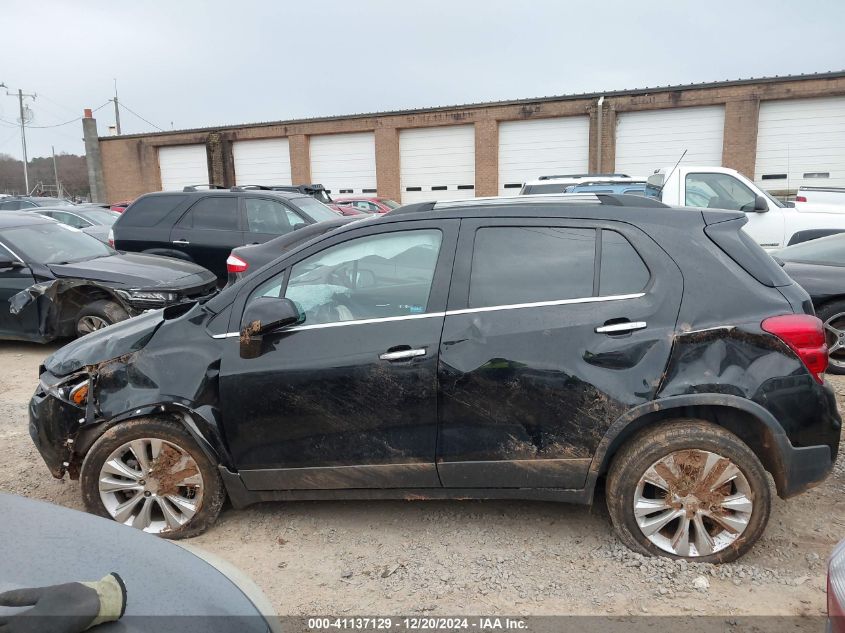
(151, 370)
(57, 301)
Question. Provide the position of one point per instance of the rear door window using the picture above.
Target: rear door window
(216, 213)
(513, 265)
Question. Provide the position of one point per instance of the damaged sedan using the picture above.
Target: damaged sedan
(56, 281)
(504, 348)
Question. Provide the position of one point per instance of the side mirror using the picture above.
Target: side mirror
(760, 204)
(264, 315)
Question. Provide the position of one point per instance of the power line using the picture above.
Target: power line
(44, 127)
(131, 111)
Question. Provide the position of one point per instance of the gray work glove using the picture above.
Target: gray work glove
(69, 608)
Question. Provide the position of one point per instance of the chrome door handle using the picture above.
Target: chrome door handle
(402, 354)
(625, 326)
(181, 242)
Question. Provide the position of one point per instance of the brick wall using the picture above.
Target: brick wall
(130, 163)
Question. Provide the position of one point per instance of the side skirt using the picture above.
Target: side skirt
(241, 497)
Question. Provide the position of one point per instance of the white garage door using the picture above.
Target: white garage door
(182, 165)
(344, 163)
(529, 149)
(801, 142)
(262, 162)
(649, 140)
(437, 163)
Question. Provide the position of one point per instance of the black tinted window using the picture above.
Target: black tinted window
(622, 269)
(217, 213)
(149, 210)
(527, 264)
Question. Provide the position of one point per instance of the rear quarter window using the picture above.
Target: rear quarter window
(622, 269)
(150, 210)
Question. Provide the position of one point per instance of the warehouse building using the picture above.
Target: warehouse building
(781, 131)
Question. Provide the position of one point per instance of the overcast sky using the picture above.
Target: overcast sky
(188, 63)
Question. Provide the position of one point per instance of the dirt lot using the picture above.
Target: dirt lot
(519, 558)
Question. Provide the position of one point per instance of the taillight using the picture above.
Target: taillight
(235, 264)
(800, 198)
(805, 335)
(836, 589)
(111, 238)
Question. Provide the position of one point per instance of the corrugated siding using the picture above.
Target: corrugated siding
(262, 162)
(529, 149)
(344, 163)
(652, 139)
(439, 161)
(182, 165)
(799, 138)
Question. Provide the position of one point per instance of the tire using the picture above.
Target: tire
(192, 499)
(696, 440)
(97, 315)
(833, 316)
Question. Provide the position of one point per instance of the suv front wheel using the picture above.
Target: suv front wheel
(688, 489)
(150, 474)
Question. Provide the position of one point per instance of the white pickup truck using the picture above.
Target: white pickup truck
(771, 223)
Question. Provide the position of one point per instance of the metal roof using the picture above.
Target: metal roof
(490, 104)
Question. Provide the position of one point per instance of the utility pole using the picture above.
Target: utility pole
(116, 110)
(20, 95)
(56, 174)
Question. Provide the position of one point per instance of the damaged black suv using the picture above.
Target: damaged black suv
(499, 348)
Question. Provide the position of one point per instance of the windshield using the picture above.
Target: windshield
(103, 217)
(825, 250)
(54, 243)
(317, 211)
(390, 203)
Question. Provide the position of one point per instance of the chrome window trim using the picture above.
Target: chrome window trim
(428, 315)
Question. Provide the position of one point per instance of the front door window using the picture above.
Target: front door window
(387, 275)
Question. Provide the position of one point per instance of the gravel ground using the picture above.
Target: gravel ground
(470, 557)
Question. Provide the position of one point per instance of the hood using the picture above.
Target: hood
(136, 270)
(110, 342)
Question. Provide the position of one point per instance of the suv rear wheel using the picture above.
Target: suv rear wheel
(149, 473)
(688, 489)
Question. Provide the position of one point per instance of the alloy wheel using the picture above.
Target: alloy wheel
(834, 332)
(151, 484)
(91, 323)
(693, 503)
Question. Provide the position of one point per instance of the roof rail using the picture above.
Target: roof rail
(252, 187)
(616, 200)
(208, 185)
(553, 177)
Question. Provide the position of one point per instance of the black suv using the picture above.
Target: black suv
(203, 226)
(506, 348)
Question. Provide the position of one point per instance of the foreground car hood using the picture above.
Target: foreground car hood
(136, 270)
(47, 544)
(110, 342)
